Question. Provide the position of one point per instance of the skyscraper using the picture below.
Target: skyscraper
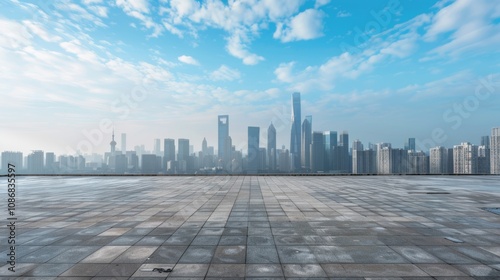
(495, 150)
(483, 159)
(271, 147)
(223, 134)
(15, 158)
(204, 147)
(183, 154)
(410, 145)
(295, 141)
(465, 158)
(253, 149)
(50, 159)
(438, 160)
(35, 162)
(317, 152)
(306, 143)
(124, 143)
(485, 141)
(169, 151)
(157, 147)
(330, 145)
(343, 153)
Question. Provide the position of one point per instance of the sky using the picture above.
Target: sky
(383, 70)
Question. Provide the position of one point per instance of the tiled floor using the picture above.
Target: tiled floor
(386, 227)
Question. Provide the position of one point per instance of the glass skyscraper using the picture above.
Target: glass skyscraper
(271, 147)
(306, 142)
(295, 141)
(253, 149)
(223, 135)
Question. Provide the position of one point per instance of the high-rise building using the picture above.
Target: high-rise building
(284, 160)
(330, 140)
(253, 149)
(418, 162)
(157, 147)
(306, 143)
(124, 143)
(483, 159)
(271, 147)
(204, 147)
(343, 158)
(317, 152)
(400, 161)
(438, 160)
(485, 141)
(357, 157)
(168, 151)
(50, 160)
(465, 158)
(223, 134)
(15, 158)
(183, 155)
(149, 164)
(382, 161)
(295, 141)
(495, 151)
(35, 162)
(410, 145)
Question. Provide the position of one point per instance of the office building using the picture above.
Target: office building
(418, 162)
(317, 153)
(271, 147)
(168, 151)
(223, 134)
(483, 159)
(253, 149)
(330, 140)
(183, 149)
(284, 160)
(149, 164)
(410, 144)
(306, 143)
(124, 143)
(295, 136)
(495, 151)
(157, 147)
(342, 154)
(399, 161)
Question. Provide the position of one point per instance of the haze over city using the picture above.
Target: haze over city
(384, 71)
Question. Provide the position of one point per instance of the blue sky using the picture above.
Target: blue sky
(382, 70)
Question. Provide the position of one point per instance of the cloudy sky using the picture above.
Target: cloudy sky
(384, 70)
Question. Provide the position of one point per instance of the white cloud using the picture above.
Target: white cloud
(304, 26)
(342, 14)
(38, 30)
(225, 73)
(14, 34)
(471, 26)
(320, 3)
(188, 60)
(139, 9)
(284, 72)
(237, 48)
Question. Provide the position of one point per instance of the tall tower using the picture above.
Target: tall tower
(223, 133)
(204, 147)
(295, 141)
(306, 142)
(330, 146)
(253, 149)
(271, 146)
(317, 152)
(113, 143)
(495, 150)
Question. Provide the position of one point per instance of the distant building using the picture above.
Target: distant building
(317, 152)
(438, 160)
(295, 135)
(50, 163)
(330, 140)
(410, 144)
(483, 159)
(168, 151)
(465, 158)
(400, 161)
(149, 164)
(113, 144)
(384, 157)
(306, 143)
(183, 155)
(157, 147)
(284, 160)
(343, 158)
(35, 162)
(418, 163)
(253, 149)
(223, 135)
(15, 158)
(495, 151)
(124, 143)
(271, 147)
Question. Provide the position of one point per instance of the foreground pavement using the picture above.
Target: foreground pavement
(223, 227)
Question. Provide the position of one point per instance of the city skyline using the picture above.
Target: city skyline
(384, 70)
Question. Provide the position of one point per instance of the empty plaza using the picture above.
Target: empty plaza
(254, 227)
